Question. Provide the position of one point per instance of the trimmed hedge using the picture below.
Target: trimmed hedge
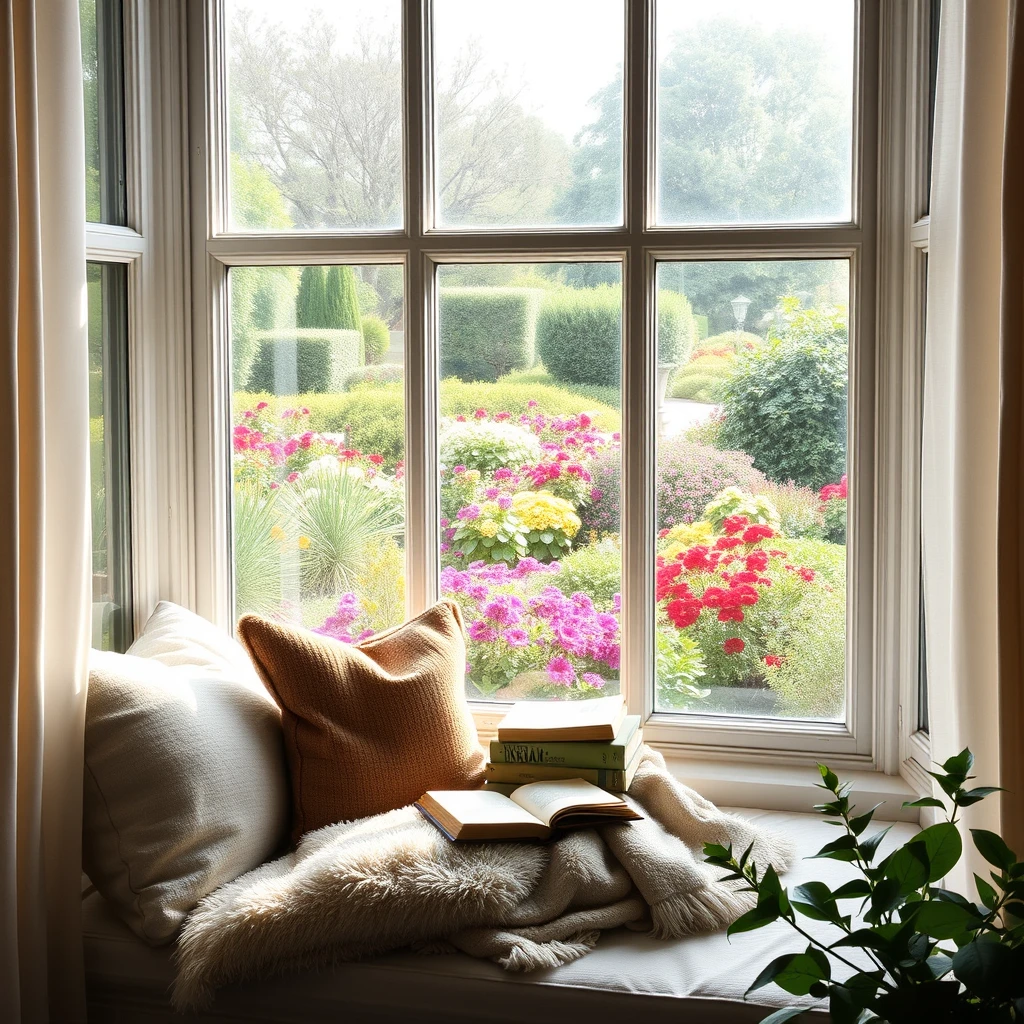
(579, 333)
(376, 339)
(262, 299)
(603, 394)
(487, 332)
(702, 379)
(293, 360)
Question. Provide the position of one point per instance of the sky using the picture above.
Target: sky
(580, 45)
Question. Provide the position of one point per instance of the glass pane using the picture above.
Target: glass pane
(751, 490)
(528, 112)
(317, 361)
(530, 450)
(315, 115)
(755, 111)
(107, 285)
(102, 25)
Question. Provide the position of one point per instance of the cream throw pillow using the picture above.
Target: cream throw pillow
(186, 786)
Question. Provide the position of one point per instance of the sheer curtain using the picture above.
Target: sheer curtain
(44, 510)
(971, 487)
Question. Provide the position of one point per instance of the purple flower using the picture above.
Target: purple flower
(504, 503)
(560, 671)
(491, 493)
(504, 609)
(593, 679)
(516, 637)
(482, 631)
(469, 512)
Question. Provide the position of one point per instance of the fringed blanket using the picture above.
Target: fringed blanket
(394, 881)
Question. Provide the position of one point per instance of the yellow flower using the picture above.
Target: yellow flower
(685, 535)
(471, 476)
(303, 542)
(490, 508)
(277, 533)
(488, 527)
(543, 511)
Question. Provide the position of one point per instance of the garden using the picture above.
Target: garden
(751, 477)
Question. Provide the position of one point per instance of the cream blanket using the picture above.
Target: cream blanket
(392, 881)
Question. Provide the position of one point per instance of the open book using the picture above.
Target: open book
(530, 812)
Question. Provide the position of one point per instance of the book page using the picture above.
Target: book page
(543, 800)
(547, 715)
(479, 807)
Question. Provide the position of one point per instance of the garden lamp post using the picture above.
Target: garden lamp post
(739, 312)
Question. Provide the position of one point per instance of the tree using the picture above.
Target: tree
(342, 303)
(311, 303)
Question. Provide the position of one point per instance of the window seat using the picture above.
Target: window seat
(701, 978)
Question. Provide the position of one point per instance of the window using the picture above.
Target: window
(567, 316)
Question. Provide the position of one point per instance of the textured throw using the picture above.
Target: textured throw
(392, 881)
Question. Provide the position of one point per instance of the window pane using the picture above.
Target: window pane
(315, 115)
(319, 442)
(530, 450)
(528, 112)
(102, 27)
(751, 479)
(755, 111)
(108, 450)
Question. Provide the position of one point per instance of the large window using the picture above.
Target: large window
(565, 312)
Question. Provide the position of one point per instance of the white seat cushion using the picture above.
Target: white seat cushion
(700, 979)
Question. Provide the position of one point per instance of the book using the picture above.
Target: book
(615, 779)
(530, 812)
(616, 753)
(599, 718)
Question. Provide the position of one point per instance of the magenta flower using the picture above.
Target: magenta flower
(482, 631)
(593, 679)
(516, 637)
(560, 671)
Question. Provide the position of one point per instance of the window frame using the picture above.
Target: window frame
(874, 240)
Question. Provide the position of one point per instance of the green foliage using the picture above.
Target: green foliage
(833, 515)
(731, 501)
(785, 405)
(594, 570)
(264, 574)
(677, 329)
(256, 202)
(579, 335)
(374, 376)
(376, 339)
(262, 299)
(311, 303)
(338, 519)
(702, 326)
(486, 332)
(341, 302)
(582, 397)
(486, 446)
(702, 378)
(296, 360)
(731, 341)
(924, 952)
(679, 664)
(799, 511)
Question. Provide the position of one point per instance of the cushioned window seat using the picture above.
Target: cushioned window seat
(698, 979)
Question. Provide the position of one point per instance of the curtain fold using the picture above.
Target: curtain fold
(973, 446)
(44, 509)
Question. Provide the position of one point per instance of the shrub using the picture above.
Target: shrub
(376, 339)
(707, 431)
(677, 329)
(702, 326)
(486, 446)
(702, 378)
(690, 475)
(311, 301)
(594, 570)
(602, 516)
(369, 376)
(293, 360)
(734, 502)
(582, 397)
(486, 332)
(798, 507)
(262, 299)
(263, 570)
(550, 522)
(785, 405)
(834, 520)
(341, 300)
(733, 341)
(491, 532)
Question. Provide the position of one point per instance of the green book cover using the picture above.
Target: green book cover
(614, 754)
(615, 780)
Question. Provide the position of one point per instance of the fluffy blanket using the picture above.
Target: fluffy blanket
(394, 881)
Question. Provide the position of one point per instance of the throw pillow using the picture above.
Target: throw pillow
(185, 777)
(372, 726)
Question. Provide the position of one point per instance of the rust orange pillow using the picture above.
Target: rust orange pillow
(372, 726)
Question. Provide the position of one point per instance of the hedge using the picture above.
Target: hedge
(702, 326)
(703, 378)
(579, 333)
(294, 360)
(376, 339)
(262, 299)
(487, 332)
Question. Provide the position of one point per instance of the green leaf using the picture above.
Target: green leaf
(786, 1013)
(547, 536)
(815, 900)
(909, 866)
(829, 778)
(800, 973)
(939, 964)
(762, 914)
(986, 893)
(855, 887)
(848, 999)
(987, 969)
(842, 848)
(769, 974)
(942, 920)
(993, 849)
(925, 801)
(943, 845)
(861, 822)
(885, 898)
(870, 845)
(959, 764)
(973, 796)
(717, 852)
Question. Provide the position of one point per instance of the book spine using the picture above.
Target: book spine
(565, 755)
(521, 774)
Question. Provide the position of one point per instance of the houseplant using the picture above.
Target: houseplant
(926, 954)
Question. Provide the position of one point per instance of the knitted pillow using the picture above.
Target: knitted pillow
(372, 726)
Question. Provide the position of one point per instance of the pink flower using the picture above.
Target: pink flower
(482, 631)
(516, 637)
(260, 406)
(532, 403)
(292, 477)
(593, 679)
(560, 670)
(480, 414)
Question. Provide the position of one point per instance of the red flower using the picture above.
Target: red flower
(734, 524)
(733, 614)
(683, 612)
(776, 553)
(752, 534)
(734, 645)
(662, 534)
(480, 414)
(744, 593)
(757, 561)
(745, 577)
(716, 597)
(725, 543)
(807, 575)
(772, 660)
(376, 459)
(696, 558)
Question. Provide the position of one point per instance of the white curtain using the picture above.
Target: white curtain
(964, 509)
(44, 510)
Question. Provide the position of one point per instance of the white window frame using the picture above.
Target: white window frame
(884, 390)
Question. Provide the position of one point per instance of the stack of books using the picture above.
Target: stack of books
(541, 741)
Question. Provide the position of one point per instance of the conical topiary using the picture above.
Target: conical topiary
(311, 303)
(342, 299)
